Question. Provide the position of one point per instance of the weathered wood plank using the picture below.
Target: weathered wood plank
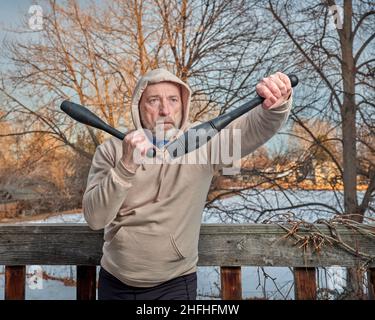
(265, 245)
(15, 277)
(305, 283)
(86, 282)
(231, 284)
(219, 245)
(50, 244)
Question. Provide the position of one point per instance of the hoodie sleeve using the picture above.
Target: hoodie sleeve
(253, 128)
(107, 186)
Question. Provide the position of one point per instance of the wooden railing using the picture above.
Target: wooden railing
(227, 246)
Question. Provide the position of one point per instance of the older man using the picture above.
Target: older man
(151, 213)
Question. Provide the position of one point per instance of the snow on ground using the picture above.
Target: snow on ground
(256, 201)
(268, 282)
(63, 218)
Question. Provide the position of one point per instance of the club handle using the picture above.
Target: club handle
(293, 79)
(85, 116)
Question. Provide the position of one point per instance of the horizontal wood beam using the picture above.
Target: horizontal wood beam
(219, 245)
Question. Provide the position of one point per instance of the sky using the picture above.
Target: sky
(11, 13)
(11, 10)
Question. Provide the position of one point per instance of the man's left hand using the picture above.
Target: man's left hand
(275, 90)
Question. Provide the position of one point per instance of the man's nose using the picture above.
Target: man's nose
(164, 108)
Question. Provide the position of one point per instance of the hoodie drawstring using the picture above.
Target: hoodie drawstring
(161, 178)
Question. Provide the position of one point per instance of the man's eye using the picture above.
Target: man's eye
(153, 100)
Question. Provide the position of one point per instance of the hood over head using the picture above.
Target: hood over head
(156, 76)
(153, 77)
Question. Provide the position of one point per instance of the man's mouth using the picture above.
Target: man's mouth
(164, 123)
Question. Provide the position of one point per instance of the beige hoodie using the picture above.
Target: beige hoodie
(152, 218)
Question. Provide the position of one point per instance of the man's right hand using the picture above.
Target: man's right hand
(134, 149)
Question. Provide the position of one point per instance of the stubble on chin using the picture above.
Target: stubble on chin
(163, 132)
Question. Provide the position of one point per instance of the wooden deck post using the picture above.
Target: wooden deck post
(231, 285)
(371, 283)
(15, 277)
(305, 283)
(86, 282)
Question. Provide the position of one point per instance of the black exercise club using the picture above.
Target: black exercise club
(180, 146)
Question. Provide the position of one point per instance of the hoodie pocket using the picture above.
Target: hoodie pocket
(145, 255)
(176, 248)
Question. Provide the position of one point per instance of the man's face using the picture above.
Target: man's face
(161, 107)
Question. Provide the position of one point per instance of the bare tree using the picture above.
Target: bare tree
(335, 45)
(94, 55)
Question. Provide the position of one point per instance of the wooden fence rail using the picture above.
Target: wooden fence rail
(227, 246)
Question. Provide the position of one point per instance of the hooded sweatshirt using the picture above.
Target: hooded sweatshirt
(151, 218)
